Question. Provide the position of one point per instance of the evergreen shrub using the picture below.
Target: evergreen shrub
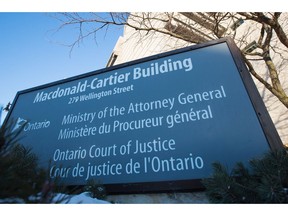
(20, 175)
(265, 180)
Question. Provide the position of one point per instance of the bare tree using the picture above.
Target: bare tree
(263, 42)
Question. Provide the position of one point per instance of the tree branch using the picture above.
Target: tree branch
(273, 22)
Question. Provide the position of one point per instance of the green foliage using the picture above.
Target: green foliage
(96, 189)
(23, 181)
(264, 181)
(20, 176)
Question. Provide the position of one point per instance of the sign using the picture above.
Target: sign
(149, 125)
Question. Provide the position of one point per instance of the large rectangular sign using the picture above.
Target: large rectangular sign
(149, 125)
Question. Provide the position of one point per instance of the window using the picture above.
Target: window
(236, 24)
(250, 47)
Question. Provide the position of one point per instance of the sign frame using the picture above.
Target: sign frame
(262, 114)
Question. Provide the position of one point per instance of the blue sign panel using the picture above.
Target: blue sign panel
(154, 120)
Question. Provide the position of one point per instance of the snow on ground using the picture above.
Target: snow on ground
(59, 198)
(83, 198)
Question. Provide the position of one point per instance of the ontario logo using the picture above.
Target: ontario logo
(30, 126)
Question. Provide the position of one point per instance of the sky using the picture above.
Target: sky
(33, 52)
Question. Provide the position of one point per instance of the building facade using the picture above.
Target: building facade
(153, 33)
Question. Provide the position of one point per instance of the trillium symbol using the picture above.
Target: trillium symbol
(20, 122)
